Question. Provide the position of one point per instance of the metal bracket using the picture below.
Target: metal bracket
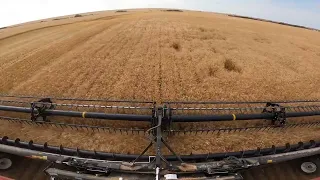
(156, 138)
(38, 108)
(167, 121)
(278, 112)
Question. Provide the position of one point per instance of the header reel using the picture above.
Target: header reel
(161, 119)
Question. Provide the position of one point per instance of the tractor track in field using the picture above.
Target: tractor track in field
(160, 70)
(166, 81)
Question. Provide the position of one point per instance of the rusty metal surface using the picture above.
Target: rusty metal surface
(27, 169)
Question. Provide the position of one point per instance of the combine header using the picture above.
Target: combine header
(160, 121)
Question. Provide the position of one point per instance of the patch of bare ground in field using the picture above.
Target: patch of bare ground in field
(160, 56)
(229, 65)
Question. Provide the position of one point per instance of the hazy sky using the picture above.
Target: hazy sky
(300, 12)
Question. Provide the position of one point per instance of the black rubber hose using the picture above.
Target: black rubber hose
(175, 118)
(231, 117)
(239, 102)
(97, 115)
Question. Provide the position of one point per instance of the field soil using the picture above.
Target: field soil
(159, 56)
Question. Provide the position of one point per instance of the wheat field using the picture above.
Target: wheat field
(160, 56)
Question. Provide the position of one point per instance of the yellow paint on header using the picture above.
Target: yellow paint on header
(39, 157)
(234, 117)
